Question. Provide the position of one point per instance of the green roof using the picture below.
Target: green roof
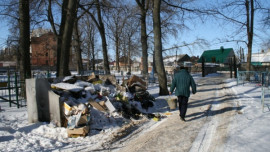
(216, 56)
(256, 63)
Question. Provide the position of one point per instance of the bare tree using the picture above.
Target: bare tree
(144, 5)
(89, 41)
(66, 37)
(77, 47)
(116, 20)
(77, 39)
(24, 40)
(158, 49)
(29, 15)
(130, 35)
(242, 14)
(100, 25)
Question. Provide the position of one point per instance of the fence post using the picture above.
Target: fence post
(234, 66)
(16, 89)
(230, 64)
(9, 95)
(262, 98)
(203, 68)
(48, 74)
(263, 76)
(237, 76)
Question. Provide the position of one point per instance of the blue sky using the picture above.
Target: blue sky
(3, 33)
(209, 31)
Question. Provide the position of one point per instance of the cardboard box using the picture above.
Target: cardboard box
(97, 105)
(82, 131)
(136, 79)
(84, 120)
(67, 109)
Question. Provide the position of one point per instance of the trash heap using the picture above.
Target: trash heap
(89, 103)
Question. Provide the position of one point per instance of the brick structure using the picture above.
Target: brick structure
(43, 50)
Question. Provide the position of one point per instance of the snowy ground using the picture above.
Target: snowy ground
(247, 131)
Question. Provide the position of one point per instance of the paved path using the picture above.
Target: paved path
(209, 114)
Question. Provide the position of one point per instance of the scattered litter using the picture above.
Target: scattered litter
(87, 99)
(167, 113)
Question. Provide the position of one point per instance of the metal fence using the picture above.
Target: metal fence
(265, 97)
(250, 77)
(11, 89)
(257, 79)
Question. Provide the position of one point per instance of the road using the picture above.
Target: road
(209, 115)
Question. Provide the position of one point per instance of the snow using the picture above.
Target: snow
(249, 130)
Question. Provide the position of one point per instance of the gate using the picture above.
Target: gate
(11, 89)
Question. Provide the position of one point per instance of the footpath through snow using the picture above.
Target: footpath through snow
(221, 117)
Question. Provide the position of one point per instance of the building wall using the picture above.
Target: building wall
(43, 50)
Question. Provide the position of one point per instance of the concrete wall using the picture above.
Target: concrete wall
(42, 104)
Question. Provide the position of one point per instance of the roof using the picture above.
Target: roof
(173, 58)
(124, 59)
(260, 57)
(256, 63)
(219, 55)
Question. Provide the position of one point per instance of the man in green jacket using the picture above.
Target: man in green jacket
(182, 82)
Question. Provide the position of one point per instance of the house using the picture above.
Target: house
(171, 62)
(43, 49)
(194, 59)
(261, 59)
(176, 60)
(123, 63)
(220, 56)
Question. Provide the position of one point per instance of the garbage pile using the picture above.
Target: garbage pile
(98, 99)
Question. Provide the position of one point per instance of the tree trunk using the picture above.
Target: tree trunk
(60, 35)
(78, 48)
(117, 53)
(144, 44)
(129, 54)
(163, 90)
(93, 53)
(104, 42)
(101, 29)
(88, 57)
(24, 42)
(105, 52)
(250, 23)
(66, 39)
(143, 10)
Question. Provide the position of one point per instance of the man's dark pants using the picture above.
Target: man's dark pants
(183, 103)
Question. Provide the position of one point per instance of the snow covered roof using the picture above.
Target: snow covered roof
(261, 57)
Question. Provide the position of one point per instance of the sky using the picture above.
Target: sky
(3, 34)
(206, 31)
(210, 30)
